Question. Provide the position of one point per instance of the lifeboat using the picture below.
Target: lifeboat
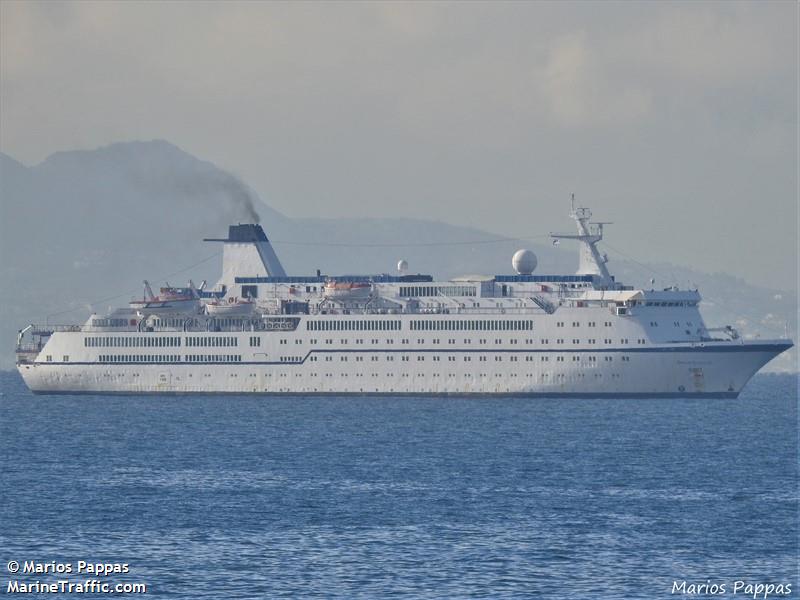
(169, 300)
(340, 290)
(231, 307)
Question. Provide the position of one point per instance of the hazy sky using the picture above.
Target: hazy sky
(678, 121)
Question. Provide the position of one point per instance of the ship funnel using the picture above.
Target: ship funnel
(247, 253)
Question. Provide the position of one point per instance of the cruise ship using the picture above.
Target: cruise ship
(261, 331)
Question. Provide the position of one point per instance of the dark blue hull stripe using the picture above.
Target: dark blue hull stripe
(492, 395)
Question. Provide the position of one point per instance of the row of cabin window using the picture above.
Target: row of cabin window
(594, 341)
(512, 341)
(688, 303)
(479, 325)
(544, 377)
(131, 342)
(149, 358)
(337, 325)
(211, 341)
(163, 322)
(112, 322)
(445, 290)
(452, 358)
(590, 324)
(195, 358)
(146, 358)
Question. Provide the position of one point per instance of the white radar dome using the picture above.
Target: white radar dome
(524, 262)
(402, 265)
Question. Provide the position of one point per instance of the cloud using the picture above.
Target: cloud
(677, 54)
(579, 90)
(419, 63)
(463, 112)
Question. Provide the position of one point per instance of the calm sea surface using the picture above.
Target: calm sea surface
(358, 497)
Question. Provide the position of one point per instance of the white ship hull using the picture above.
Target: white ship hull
(713, 370)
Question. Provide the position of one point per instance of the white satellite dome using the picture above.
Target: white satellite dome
(402, 266)
(524, 262)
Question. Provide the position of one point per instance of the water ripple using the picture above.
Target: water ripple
(243, 497)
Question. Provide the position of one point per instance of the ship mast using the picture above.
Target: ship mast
(592, 262)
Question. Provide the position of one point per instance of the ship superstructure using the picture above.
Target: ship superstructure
(259, 330)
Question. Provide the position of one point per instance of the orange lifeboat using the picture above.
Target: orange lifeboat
(341, 290)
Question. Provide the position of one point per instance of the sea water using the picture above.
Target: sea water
(377, 497)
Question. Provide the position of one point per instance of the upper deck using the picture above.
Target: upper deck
(255, 293)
